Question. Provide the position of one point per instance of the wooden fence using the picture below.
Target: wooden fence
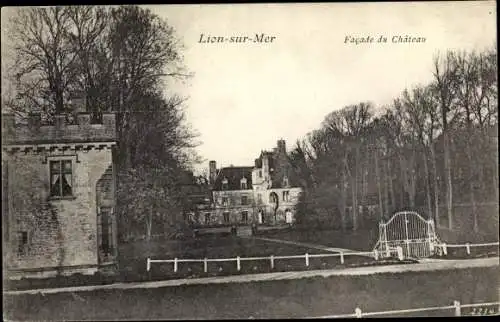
(271, 259)
(375, 254)
(444, 247)
(457, 307)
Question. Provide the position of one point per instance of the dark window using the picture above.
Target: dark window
(243, 186)
(244, 216)
(226, 216)
(23, 242)
(61, 178)
(260, 173)
(225, 201)
(106, 232)
(259, 198)
(272, 198)
(285, 195)
(207, 218)
(244, 200)
(225, 184)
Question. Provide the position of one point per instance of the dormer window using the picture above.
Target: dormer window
(225, 185)
(243, 183)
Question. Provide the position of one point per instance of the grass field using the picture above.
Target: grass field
(133, 257)
(365, 240)
(362, 240)
(272, 299)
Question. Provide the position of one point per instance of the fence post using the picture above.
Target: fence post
(205, 265)
(341, 257)
(238, 264)
(175, 265)
(307, 259)
(358, 312)
(468, 248)
(445, 250)
(272, 261)
(375, 253)
(400, 253)
(148, 266)
(457, 308)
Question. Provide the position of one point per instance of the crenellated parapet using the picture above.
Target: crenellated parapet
(34, 133)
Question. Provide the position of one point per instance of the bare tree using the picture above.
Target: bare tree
(44, 61)
(445, 78)
(90, 26)
(418, 107)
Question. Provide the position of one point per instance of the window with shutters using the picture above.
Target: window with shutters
(61, 178)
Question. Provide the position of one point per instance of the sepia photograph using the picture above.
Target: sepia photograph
(250, 161)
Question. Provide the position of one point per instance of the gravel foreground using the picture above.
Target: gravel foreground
(286, 298)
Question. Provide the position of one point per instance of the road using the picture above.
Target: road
(430, 265)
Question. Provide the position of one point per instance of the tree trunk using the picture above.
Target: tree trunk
(449, 186)
(391, 186)
(379, 190)
(427, 184)
(149, 225)
(385, 175)
(495, 169)
(436, 186)
(355, 192)
(472, 179)
(353, 203)
(343, 200)
(412, 180)
(404, 178)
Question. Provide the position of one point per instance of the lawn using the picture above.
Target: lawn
(365, 240)
(270, 299)
(362, 240)
(133, 257)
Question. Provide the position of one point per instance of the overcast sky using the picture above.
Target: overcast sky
(245, 96)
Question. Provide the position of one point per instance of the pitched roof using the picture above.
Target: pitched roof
(234, 176)
(270, 155)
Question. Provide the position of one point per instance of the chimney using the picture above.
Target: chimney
(8, 125)
(212, 171)
(265, 165)
(281, 146)
(60, 121)
(108, 119)
(34, 121)
(8, 121)
(83, 119)
(79, 103)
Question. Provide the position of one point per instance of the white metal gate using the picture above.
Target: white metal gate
(407, 229)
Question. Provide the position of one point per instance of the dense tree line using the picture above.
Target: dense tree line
(114, 59)
(434, 147)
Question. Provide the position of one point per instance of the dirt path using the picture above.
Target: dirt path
(429, 266)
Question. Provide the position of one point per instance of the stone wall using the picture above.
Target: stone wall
(36, 133)
(62, 232)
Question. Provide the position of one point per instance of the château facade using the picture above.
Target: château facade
(265, 193)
